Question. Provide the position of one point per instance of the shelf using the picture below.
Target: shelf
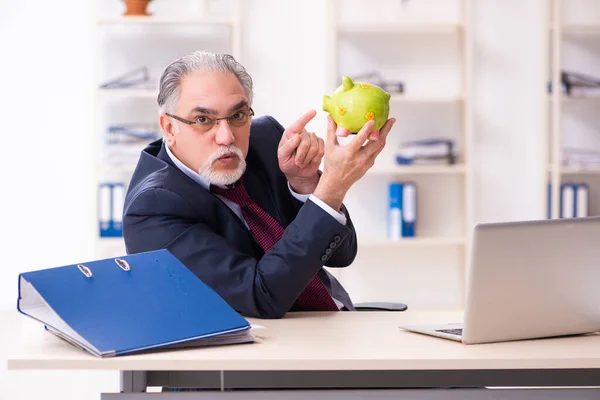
(581, 98)
(583, 170)
(573, 99)
(110, 241)
(417, 169)
(129, 93)
(117, 166)
(398, 28)
(152, 20)
(579, 29)
(412, 242)
(424, 99)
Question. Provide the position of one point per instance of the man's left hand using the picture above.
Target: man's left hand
(300, 153)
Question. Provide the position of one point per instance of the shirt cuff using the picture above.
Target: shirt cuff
(340, 217)
(301, 197)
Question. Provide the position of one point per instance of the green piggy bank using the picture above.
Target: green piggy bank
(354, 103)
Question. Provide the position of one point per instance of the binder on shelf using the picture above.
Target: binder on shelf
(135, 303)
(581, 200)
(567, 200)
(394, 220)
(409, 216)
(402, 210)
(573, 200)
(118, 201)
(125, 142)
(427, 151)
(549, 197)
(111, 197)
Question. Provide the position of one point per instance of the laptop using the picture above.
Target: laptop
(529, 279)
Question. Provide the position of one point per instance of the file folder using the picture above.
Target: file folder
(409, 208)
(394, 222)
(567, 200)
(581, 200)
(549, 196)
(111, 198)
(104, 209)
(402, 210)
(131, 304)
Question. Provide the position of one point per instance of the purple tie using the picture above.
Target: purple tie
(267, 232)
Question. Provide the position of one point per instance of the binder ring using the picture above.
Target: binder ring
(123, 264)
(85, 270)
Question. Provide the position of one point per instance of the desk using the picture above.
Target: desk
(338, 350)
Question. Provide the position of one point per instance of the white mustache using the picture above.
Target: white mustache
(220, 177)
(224, 151)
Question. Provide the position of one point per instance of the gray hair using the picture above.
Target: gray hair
(169, 87)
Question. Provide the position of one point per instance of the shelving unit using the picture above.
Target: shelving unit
(395, 28)
(158, 20)
(417, 169)
(440, 99)
(414, 241)
(125, 43)
(574, 46)
(433, 58)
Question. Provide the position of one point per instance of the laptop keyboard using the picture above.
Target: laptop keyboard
(457, 331)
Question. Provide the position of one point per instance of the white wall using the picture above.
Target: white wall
(45, 76)
(510, 125)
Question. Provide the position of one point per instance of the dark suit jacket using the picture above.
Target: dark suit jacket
(164, 208)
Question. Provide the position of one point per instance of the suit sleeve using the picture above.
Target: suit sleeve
(265, 288)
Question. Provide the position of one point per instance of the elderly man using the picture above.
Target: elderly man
(240, 200)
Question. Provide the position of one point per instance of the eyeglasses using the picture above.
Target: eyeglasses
(205, 124)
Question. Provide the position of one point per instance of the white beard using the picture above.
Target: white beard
(222, 178)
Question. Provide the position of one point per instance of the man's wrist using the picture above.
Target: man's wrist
(303, 185)
(330, 193)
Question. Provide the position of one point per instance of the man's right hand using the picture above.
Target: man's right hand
(345, 165)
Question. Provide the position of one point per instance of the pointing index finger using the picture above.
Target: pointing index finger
(300, 123)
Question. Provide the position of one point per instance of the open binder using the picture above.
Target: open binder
(130, 304)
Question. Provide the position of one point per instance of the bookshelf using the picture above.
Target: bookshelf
(127, 43)
(391, 169)
(158, 20)
(574, 31)
(429, 49)
(411, 242)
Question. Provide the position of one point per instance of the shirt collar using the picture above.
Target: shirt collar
(187, 170)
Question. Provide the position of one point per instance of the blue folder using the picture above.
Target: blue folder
(130, 304)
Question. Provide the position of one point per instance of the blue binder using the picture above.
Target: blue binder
(394, 219)
(402, 210)
(125, 305)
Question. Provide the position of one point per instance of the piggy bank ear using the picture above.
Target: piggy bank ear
(347, 83)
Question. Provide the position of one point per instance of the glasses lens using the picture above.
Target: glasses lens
(239, 119)
(204, 124)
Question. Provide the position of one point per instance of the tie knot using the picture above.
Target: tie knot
(237, 194)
